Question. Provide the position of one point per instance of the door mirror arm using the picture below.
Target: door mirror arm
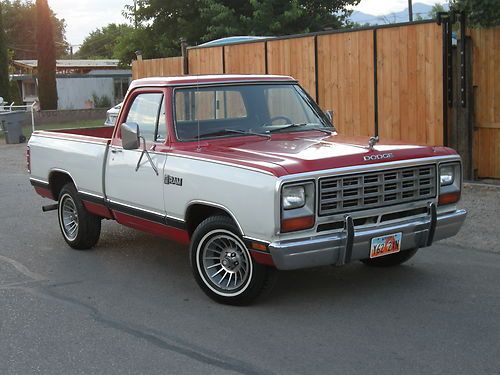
(131, 140)
(145, 151)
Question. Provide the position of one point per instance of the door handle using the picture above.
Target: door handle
(115, 150)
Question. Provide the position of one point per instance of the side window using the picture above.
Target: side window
(161, 132)
(148, 111)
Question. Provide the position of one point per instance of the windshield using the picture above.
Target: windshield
(246, 109)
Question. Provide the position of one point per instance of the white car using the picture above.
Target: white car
(112, 115)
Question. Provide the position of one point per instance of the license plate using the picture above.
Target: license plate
(385, 245)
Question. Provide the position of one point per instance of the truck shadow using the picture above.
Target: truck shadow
(162, 262)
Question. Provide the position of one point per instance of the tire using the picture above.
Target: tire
(222, 265)
(390, 260)
(80, 229)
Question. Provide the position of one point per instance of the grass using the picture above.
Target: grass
(65, 125)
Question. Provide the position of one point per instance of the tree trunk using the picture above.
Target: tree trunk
(47, 90)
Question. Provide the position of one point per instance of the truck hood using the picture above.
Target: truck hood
(292, 153)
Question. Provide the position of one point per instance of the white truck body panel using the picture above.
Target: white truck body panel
(81, 160)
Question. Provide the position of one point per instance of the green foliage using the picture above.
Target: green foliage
(47, 90)
(480, 13)
(101, 43)
(436, 8)
(199, 21)
(137, 39)
(4, 62)
(20, 29)
(101, 101)
(15, 93)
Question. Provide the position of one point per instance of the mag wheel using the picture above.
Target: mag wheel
(223, 266)
(80, 229)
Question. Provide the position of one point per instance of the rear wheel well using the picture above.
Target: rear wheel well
(57, 180)
(196, 213)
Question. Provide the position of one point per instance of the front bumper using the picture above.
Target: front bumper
(350, 244)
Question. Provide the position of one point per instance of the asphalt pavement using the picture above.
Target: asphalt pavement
(131, 305)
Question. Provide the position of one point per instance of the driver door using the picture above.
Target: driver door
(138, 194)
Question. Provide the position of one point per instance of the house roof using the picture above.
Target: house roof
(71, 64)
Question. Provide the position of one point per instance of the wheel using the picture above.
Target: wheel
(391, 259)
(223, 266)
(80, 229)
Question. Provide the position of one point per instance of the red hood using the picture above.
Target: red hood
(291, 153)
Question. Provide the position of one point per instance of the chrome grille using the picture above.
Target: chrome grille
(376, 189)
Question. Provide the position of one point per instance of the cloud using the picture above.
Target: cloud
(82, 17)
(376, 8)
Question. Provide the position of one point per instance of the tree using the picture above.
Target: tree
(436, 9)
(47, 90)
(4, 63)
(284, 17)
(202, 20)
(139, 39)
(483, 13)
(101, 43)
(20, 29)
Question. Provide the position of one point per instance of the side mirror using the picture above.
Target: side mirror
(329, 114)
(130, 135)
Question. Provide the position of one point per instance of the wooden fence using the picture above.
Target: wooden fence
(170, 66)
(385, 80)
(339, 70)
(486, 78)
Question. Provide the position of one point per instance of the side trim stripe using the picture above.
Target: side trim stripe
(160, 219)
(91, 198)
(39, 183)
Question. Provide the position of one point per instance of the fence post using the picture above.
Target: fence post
(184, 54)
(461, 130)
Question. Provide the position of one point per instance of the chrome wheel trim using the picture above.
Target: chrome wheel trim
(224, 263)
(68, 217)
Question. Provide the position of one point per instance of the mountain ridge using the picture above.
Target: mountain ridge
(419, 9)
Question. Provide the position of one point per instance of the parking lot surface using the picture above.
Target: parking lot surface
(131, 305)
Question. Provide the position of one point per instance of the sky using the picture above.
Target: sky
(82, 17)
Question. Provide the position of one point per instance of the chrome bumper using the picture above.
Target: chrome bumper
(350, 244)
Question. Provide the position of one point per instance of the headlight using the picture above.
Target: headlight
(450, 180)
(293, 197)
(447, 174)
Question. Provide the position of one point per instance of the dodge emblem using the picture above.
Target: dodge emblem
(378, 156)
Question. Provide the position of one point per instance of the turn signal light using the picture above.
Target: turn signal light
(297, 223)
(258, 246)
(449, 198)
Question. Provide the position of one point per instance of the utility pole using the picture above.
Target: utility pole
(410, 10)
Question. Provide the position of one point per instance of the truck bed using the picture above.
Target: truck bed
(79, 153)
(102, 132)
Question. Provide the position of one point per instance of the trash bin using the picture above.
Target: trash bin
(12, 125)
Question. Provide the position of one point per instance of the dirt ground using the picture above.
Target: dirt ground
(482, 226)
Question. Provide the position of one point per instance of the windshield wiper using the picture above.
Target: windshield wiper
(329, 132)
(229, 131)
(248, 132)
(289, 126)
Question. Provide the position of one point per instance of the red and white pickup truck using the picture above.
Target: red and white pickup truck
(251, 174)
